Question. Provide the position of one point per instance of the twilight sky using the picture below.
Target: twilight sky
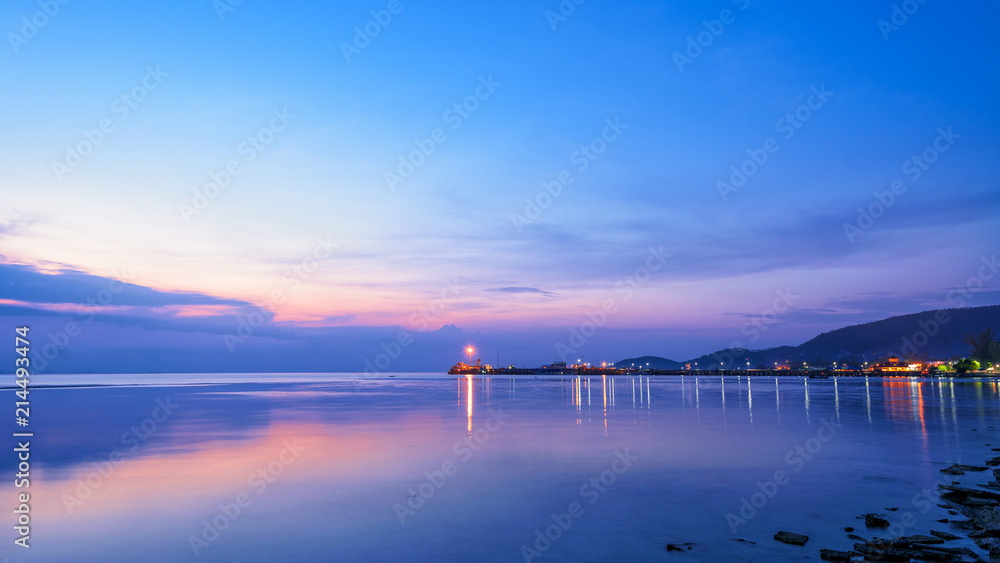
(297, 186)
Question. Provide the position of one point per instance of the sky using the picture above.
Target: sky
(241, 186)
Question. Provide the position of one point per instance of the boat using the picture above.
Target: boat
(462, 368)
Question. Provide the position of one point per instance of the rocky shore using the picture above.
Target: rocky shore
(975, 508)
(978, 509)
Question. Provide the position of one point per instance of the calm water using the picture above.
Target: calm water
(437, 468)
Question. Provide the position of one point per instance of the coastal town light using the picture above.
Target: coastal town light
(469, 351)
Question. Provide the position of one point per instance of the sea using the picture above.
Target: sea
(433, 467)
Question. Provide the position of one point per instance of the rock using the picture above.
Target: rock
(970, 492)
(933, 553)
(945, 535)
(849, 529)
(977, 502)
(876, 554)
(894, 550)
(741, 540)
(681, 547)
(672, 547)
(991, 545)
(875, 521)
(962, 468)
(791, 538)
(855, 537)
(892, 509)
(833, 555)
(964, 525)
(986, 518)
(910, 540)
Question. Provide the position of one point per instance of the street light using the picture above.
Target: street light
(469, 351)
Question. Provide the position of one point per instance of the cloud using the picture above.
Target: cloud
(910, 302)
(516, 289)
(16, 226)
(26, 284)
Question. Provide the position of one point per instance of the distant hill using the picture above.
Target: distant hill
(935, 334)
(654, 362)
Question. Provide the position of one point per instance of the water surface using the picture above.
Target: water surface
(424, 467)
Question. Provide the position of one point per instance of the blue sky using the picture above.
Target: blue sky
(271, 81)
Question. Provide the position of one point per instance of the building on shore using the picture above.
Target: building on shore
(895, 364)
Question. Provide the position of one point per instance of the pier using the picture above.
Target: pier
(598, 371)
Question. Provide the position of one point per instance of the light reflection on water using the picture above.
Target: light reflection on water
(700, 448)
